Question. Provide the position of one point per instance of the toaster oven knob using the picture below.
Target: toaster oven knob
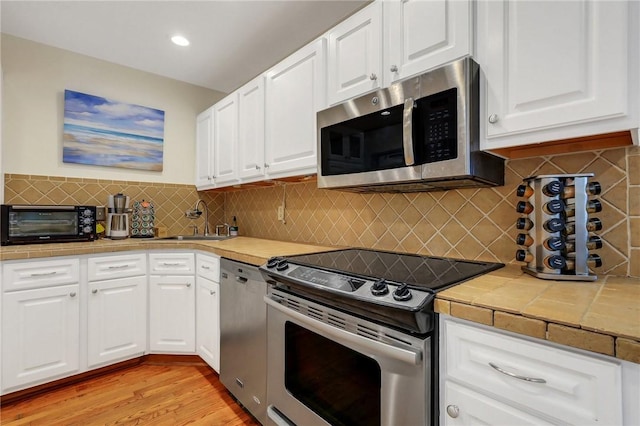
(379, 288)
(86, 229)
(402, 293)
(87, 212)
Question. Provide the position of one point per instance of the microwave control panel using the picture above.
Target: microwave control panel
(440, 137)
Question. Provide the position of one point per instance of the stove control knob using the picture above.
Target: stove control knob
(271, 263)
(379, 288)
(282, 265)
(402, 293)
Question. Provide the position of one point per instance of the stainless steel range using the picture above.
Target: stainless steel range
(352, 336)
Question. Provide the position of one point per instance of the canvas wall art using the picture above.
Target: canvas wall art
(103, 132)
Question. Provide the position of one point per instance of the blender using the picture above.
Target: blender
(117, 217)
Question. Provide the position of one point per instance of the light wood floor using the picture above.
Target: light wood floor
(146, 394)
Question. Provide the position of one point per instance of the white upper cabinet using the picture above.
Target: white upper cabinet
(225, 140)
(354, 58)
(555, 70)
(251, 130)
(204, 149)
(295, 91)
(420, 35)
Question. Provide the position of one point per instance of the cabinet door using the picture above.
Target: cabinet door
(172, 314)
(251, 130)
(549, 65)
(225, 140)
(421, 35)
(117, 320)
(461, 406)
(204, 147)
(40, 335)
(354, 56)
(208, 322)
(294, 93)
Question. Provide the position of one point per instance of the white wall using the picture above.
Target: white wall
(35, 77)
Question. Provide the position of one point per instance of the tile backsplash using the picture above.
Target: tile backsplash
(170, 201)
(465, 223)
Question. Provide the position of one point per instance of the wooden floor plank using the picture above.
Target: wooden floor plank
(146, 394)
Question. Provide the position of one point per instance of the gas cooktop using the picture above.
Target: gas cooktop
(395, 288)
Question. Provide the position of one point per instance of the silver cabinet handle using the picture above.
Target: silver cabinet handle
(72, 294)
(211, 292)
(407, 132)
(394, 68)
(43, 274)
(118, 267)
(171, 264)
(94, 291)
(373, 76)
(257, 167)
(266, 166)
(205, 267)
(493, 118)
(453, 411)
(517, 376)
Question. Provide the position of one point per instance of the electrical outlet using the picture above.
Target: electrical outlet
(280, 212)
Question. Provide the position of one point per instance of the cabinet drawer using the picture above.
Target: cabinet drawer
(567, 386)
(40, 273)
(172, 263)
(208, 267)
(120, 266)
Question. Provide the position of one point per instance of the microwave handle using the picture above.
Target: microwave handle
(407, 132)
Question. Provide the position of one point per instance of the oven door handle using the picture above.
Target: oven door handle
(408, 356)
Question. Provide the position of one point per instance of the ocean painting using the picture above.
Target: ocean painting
(102, 132)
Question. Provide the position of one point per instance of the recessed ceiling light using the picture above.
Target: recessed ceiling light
(179, 40)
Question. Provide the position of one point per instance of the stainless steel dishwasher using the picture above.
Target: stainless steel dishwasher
(243, 335)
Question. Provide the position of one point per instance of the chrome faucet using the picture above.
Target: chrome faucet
(196, 213)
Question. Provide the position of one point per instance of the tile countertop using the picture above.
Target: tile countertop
(601, 316)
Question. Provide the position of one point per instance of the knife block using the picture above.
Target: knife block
(555, 227)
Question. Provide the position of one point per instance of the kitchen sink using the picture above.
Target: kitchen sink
(198, 237)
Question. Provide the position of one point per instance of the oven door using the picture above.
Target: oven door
(330, 368)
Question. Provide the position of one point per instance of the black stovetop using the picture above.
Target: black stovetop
(426, 273)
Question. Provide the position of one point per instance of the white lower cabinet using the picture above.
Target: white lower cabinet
(117, 320)
(208, 321)
(491, 377)
(466, 407)
(40, 335)
(208, 309)
(116, 308)
(172, 316)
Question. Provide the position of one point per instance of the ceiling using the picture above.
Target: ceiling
(231, 41)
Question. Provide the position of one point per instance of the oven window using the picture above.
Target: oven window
(339, 384)
(40, 223)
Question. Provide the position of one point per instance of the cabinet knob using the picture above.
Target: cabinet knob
(394, 68)
(72, 294)
(373, 76)
(453, 411)
(266, 166)
(493, 118)
(257, 167)
(188, 284)
(211, 292)
(94, 291)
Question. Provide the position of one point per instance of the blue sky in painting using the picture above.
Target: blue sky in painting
(101, 113)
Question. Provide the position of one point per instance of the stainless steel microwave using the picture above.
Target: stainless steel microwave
(421, 134)
(32, 224)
